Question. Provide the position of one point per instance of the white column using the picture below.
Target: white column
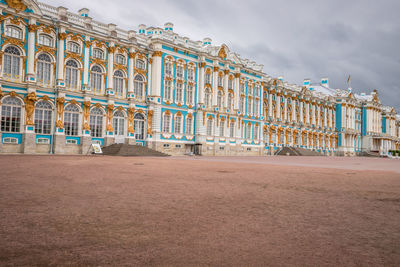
(110, 69)
(270, 105)
(200, 84)
(301, 111)
(149, 72)
(237, 90)
(31, 50)
(86, 64)
(215, 85)
(60, 57)
(307, 113)
(285, 117)
(156, 74)
(278, 108)
(130, 74)
(225, 84)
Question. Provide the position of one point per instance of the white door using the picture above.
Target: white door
(119, 127)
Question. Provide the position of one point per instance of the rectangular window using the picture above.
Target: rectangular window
(167, 123)
(178, 124)
(179, 71)
(189, 126)
(43, 141)
(222, 128)
(190, 74)
(232, 130)
(10, 140)
(209, 127)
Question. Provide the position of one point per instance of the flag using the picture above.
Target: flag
(349, 80)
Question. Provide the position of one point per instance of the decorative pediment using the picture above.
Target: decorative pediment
(223, 52)
(24, 6)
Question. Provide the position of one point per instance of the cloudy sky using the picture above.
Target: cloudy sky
(292, 38)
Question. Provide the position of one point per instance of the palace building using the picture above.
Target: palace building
(67, 81)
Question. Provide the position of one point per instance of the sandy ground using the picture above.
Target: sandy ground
(199, 211)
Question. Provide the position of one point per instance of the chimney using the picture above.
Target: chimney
(307, 82)
(84, 12)
(207, 41)
(112, 30)
(142, 29)
(62, 13)
(169, 27)
(280, 78)
(325, 82)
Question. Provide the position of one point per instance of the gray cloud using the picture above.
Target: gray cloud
(297, 39)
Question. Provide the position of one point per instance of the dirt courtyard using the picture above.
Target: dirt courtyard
(180, 211)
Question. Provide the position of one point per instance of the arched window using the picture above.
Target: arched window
(139, 86)
(207, 98)
(256, 107)
(242, 88)
(96, 122)
(249, 106)
(209, 127)
(241, 105)
(119, 83)
(232, 129)
(98, 53)
(219, 99)
(11, 115)
(120, 59)
(189, 125)
(189, 95)
(119, 123)
(273, 137)
(230, 102)
(45, 40)
(43, 117)
(248, 131)
(257, 91)
(256, 130)
(179, 93)
(221, 128)
(12, 62)
(43, 69)
(71, 120)
(230, 84)
(140, 64)
(73, 47)
(190, 74)
(207, 78)
(168, 68)
(138, 126)
(220, 80)
(167, 123)
(71, 74)
(96, 79)
(167, 90)
(14, 32)
(178, 124)
(179, 71)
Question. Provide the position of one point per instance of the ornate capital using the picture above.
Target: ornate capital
(111, 50)
(62, 36)
(226, 72)
(202, 65)
(32, 28)
(216, 69)
(132, 55)
(157, 54)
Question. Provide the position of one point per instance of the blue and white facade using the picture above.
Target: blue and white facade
(68, 81)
